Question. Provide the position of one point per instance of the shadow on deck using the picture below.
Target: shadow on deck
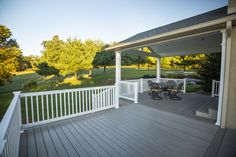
(187, 107)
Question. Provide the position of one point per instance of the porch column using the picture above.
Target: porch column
(222, 73)
(118, 77)
(158, 69)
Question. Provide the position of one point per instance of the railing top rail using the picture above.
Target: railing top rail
(154, 78)
(127, 82)
(4, 124)
(63, 91)
(171, 79)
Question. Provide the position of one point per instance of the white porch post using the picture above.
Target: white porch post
(222, 72)
(158, 69)
(118, 77)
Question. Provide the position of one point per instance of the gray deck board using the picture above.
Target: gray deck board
(31, 142)
(70, 149)
(60, 148)
(82, 140)
(133, 130)
(91, 141)
(23, 145)
(74, 142)
(114, 143)
(51, 151)
(102, 142)
(41, 150)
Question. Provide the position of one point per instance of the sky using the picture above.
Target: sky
(33, 21)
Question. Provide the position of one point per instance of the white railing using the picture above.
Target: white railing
(129, 90)
(215, 88)
(143, 85)
(104, 100)
(10, 128)
(49, 106)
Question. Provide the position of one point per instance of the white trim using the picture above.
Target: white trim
(158, 69)
(118, 77)
(222, 73)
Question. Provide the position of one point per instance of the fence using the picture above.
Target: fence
(43, 107)
(215, 88)
(10, 128)
(129, 90)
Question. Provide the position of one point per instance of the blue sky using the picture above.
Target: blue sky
(33, 21)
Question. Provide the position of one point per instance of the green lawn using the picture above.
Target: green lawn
(98, 78)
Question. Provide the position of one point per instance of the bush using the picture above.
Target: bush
(45, 70)
(149, 76)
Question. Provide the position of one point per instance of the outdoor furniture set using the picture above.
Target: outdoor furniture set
(169, 88)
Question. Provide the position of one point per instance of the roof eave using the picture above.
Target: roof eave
(129, 45)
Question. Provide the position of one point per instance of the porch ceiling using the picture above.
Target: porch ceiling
(202, 43)
(205, 43)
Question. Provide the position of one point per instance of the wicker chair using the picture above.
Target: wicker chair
(155, 90)
(173, 92)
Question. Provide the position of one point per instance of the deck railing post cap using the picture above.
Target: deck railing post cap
(16, 92)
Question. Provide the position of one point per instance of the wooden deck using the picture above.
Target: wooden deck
(186, 107)
(133, 130)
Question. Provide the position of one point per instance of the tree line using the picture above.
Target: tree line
(73, 55)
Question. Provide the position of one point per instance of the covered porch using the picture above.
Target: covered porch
(201, 42)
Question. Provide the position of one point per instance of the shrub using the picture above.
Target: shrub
(45, 70)
(149, 76)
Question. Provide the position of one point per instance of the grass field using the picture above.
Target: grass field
(99, 78)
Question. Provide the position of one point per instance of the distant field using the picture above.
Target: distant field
(99, 78)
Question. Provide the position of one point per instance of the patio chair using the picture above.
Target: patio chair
(155, 90)
(173, 92)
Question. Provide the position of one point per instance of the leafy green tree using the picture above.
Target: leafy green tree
(9, 53)
(104, 59)
(70, 56)
(90, 48)
(45, 70)
(52, 52)
(137, 59)
(210, 70)
(187, 62)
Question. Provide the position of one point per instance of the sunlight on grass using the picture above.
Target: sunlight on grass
(71, 81)
(24, 72)
(48, 77)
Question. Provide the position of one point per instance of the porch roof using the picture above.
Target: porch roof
(198, 34)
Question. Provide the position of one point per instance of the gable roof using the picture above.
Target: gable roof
(205, 17)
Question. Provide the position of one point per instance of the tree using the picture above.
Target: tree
(9, 53)
(190, 62)
(52, 52)
(90, 48)
(137, 59)
(104, 59)
(210, 70)
(45, 70)
(70, 56)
